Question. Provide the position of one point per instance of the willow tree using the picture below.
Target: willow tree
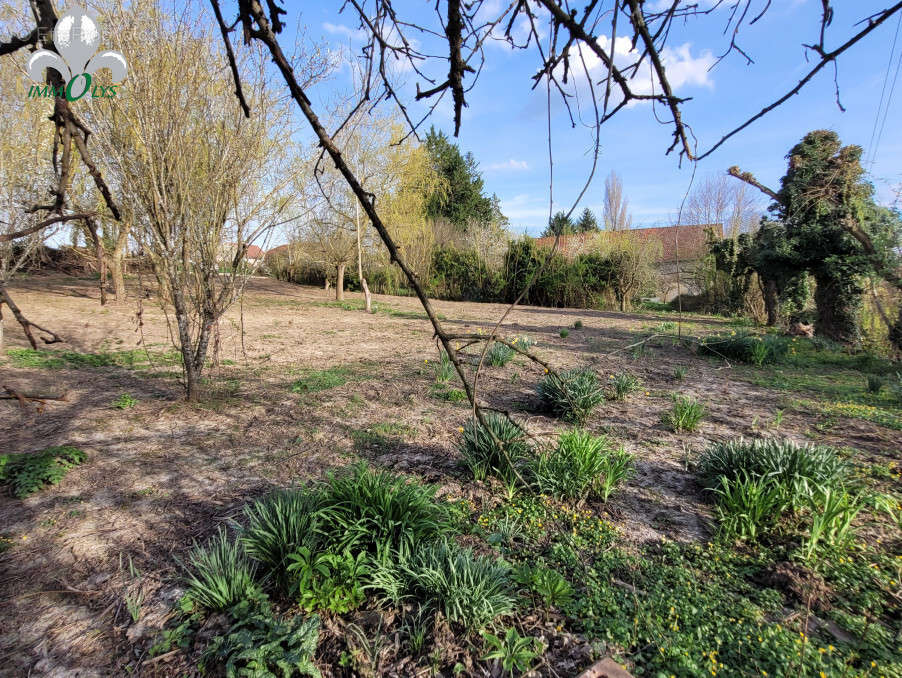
(202, 182)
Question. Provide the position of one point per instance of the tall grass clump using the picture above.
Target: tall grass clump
(581, 465)
(219, 574)
(572, 394)
(747, 348)
(444, 368)
(376, 511)
(499, 354)
(622, 384)
(685, 414)
(484, 456)
(278, 525)
(468, 589)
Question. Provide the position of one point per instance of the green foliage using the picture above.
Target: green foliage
(328, 581)
(685, 414)
(499, 354)
(27, 473)
(679, 372)
(580, 466)
(514, 652)
(832, 513)
(587, 222)
(259, 645)
(321, 380)
(463, 199)
(748, 348)
(571, 395)
(463, 275)
(444, 368)
(560, 224)
(875, 383)
(124, 402)
(378, 512)
(747, 506)
(468, 589)
(133, 358)
(219, 574)
(277, 526)
(484, 456)
(450, 395)
(564, 333)
(548, 585)
(622, 384)
(578, 325)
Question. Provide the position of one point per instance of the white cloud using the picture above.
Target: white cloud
(344, 31)
(509, 165)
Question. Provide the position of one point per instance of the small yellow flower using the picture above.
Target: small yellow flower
(647, 393)
(426, 361)
(460, 429)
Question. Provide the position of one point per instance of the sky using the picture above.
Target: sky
(506, 123)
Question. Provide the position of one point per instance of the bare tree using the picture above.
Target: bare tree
(616, 206)
(719, 200)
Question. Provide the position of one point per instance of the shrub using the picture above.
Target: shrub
(571, 395)
(875, 383)
(564, 333)
(795, 469)
(260, 645)
(468, 589)
(499, 354)
(219, 574)
(578, 325)
(582, 464)
(376, 511)
(328, 581)
(622, 384)
(685, 414)
(27, 473)
(747, 348)
(484, 456)
(514, 653)
(277, 526)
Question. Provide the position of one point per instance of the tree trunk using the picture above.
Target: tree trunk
(117, 271)
(771, 299)
(101, 258)
(837, 310)
(192, 358)
(340, 282)
(1, 325)
(368, 300)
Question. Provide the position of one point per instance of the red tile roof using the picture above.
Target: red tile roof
(687, 241)
(253, 252)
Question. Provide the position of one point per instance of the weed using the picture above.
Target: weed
(327, 581)
(451, 395)
(134, 606)
(444, 368)
(564, 333)
(415, 628)
(321, 380)
(571, 395)
(219, 574)
(513, 652)
(665, 327)
(747, 348)
(258, 644)
(578, 325)
(484, 456)
(875, 383)
(679, 372)
(507, 530)
(831, 520)
(622, 384)
(778, 418)
(548, 585)
(134, 358)
(124, 402)
(28, 473)
(685, 414)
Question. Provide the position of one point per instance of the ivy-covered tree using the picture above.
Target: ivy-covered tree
(463, 201)
(560, 224)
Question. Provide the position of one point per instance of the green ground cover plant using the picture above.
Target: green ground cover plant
(572, 394)
(27, 473)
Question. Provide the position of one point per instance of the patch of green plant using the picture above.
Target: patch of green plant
(362, 509)
(444, 368)
(28, 473)
(499, 355)
(260, 644)
(321, 380)
(748, 348)
(450, 395)
(685, 414)
(679, 372)
(832, 513)
(580, 466)
(276, 526)
(548, 586)
(578, 325)
(328, 581)
(889, 418)
(468, 589)
(564, 333)
(497, 449)
(572, 394)
(874, 383)
(219, 574)
(622, 384)
(514, 653)
(124, 402)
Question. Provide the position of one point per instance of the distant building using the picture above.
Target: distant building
(680, 249)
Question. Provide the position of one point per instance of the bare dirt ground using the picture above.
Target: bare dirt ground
(164, 473)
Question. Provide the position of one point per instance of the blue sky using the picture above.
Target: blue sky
(505, 124)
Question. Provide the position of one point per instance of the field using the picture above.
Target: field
(91, 572)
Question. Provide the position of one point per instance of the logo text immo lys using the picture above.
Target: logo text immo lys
(76, 38)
